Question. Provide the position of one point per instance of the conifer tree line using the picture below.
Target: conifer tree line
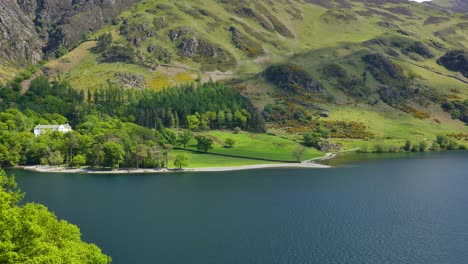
(199, 107)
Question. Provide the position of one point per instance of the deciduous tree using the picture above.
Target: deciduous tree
(182, 160)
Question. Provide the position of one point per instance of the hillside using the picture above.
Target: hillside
(396, 67)
(244, 38)
(459, 6)
(32, 30)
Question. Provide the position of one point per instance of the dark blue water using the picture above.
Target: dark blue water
(407, 210)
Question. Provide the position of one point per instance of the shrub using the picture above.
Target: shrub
(408, 145)
(229, 142)
(78, 161)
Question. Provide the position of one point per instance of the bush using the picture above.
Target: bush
(204, 143)
(380, 148)
(408, 145)
(435, 146)
(422, 146)
(229, 142)
(78, 161)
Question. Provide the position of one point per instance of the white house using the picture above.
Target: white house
(42, 129)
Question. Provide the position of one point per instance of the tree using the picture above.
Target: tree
(139, 153)
(204, 143)
(72, 142)
(193, 122)
(220, 118)
(155, 156)
(408, 145)
(55, 158)
(32, 234)
(113, 154)
(446, 143)
(229, 142)
(422, 146)
(299, 152)
(105, 40)
(185, 137)
(97, 154)
(182, 160)
(78, 161)
(167, 148)
(240, 118)
(312, 139)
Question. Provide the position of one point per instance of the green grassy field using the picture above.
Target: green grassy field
(202, 160)
(251, 145)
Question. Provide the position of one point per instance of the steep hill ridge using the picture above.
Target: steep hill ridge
(31, 30)
(155, 40)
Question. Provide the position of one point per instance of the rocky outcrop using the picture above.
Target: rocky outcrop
(64, 22)
(210, 55)
(293, 78)
(19, 42)
(30, 28)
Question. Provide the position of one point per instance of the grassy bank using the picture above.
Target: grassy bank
(250, 145)
(205, 160)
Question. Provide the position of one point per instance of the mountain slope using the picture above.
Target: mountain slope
(20, 44)
(459, 6)
(371, 61)
(34, 29)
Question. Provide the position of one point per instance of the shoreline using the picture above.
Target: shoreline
(55, 169)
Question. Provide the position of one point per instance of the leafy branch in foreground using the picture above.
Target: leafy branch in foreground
(32, 234)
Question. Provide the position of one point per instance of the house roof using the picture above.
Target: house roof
(51, 126)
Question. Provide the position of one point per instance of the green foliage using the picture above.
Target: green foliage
(160, 54)
(396, 87)
(422, 146)
(244, 43)
(229, 142)
(181, 161)
(455, 60)
(204, 143)
(113, 154)
(408, 145)
(447, 143)
(312, 139)
(78, 161)
(55, 158)
(185, 137)
(31, 234)
(299, 152)
(118, 53)
(293, 78)
(351, 85)
(62, 50)
(457, 108)
(105, 40)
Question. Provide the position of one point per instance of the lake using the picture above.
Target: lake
(411, 209)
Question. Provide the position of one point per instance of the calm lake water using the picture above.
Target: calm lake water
(397, 210)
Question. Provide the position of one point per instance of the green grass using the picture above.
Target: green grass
(257, 146)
